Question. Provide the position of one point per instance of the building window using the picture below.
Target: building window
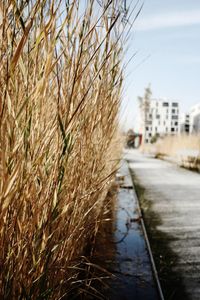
(165, 104)
(147, 128)
(157, 116)
(176, 123)
(174, 104)
(175, 117)
(172, 129)
(173, 111)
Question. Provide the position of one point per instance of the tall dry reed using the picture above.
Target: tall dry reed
(60, 87)
(182, 149)
(178, 145)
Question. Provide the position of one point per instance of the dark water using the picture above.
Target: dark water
(120, 249)
(134, 279)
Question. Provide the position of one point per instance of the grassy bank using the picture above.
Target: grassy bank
(182, 149)
(60, 89)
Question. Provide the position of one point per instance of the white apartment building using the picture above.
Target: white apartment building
(185, 123)
(195, 119)
(159, 117)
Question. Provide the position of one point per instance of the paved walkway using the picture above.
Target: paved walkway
(170, 199)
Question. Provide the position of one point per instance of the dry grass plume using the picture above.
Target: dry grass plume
(60, 89)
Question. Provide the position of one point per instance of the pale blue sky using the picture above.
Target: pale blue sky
(167, 38)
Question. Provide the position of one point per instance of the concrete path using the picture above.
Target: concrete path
(170, 200)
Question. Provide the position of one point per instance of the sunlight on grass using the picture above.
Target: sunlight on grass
(60, 78)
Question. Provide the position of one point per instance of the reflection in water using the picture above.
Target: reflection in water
(132, 268)
(121, 249)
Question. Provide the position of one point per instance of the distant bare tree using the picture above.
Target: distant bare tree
(144, 103)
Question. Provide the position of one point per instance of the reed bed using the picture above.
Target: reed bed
(175, 145)
(182, 149)
(60, 90)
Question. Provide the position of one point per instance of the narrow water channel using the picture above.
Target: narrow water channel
(133, 268)
(130, 262)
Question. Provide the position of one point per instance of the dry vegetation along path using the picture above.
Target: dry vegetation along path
(170, 201)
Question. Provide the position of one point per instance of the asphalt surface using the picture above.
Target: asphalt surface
(170, 201)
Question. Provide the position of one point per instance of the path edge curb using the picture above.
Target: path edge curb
(155, 273)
